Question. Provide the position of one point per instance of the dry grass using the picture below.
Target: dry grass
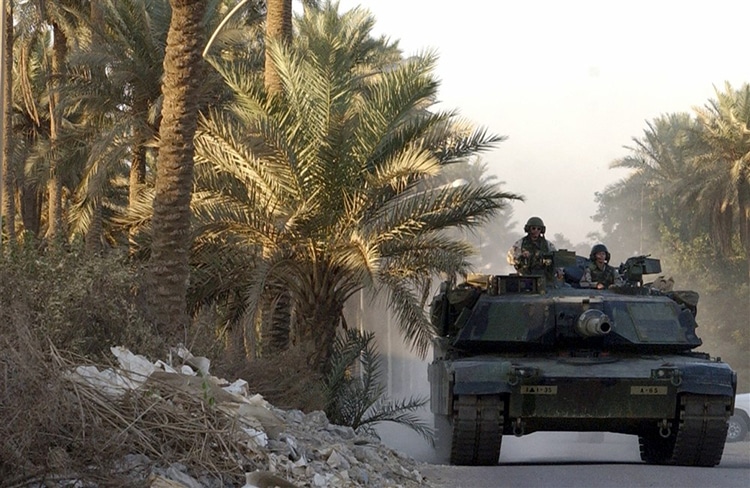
(54, 426)
(283, 379)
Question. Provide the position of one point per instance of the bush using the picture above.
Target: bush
(284, 379)
(82, 304)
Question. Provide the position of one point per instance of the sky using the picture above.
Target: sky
(569, 83)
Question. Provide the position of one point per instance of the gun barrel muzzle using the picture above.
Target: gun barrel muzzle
(593, 323)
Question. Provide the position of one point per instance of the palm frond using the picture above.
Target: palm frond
(354, 393)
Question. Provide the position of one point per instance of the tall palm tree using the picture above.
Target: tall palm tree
(168, 264)
(57, 15)
(49, 25)
(279, 29)
(330, 186)
(115, 79)
(722, 171)
(633, 209)
(7, 173)
(54, 185)
(30, 125)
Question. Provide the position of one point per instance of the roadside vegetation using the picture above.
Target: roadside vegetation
(687, 201)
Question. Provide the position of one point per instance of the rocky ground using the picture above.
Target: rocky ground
(274, 447)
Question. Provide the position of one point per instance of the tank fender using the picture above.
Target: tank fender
(441, 386)
(481, 378)
(703, 380)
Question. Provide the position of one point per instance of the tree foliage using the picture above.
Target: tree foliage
(686, 199)
(333, 185)
(355, 393)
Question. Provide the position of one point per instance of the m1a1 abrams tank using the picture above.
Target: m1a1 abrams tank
(518, 354)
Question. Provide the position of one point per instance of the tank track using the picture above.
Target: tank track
(699, 438)
(703, 430)
(477, 430)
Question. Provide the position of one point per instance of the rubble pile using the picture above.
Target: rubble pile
(265, 446)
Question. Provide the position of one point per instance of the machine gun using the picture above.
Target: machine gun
(633, 269)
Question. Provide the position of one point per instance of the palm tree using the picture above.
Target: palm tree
(115, 79)
(332, 185)
(56, 15)
(722, 171)
(7, 173)
(30, 126)
(47, 29)
(279, 30)
(168, 264)
(632, 209)
(360, 401)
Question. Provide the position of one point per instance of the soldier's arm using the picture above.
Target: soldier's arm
(619, 280)
(586, 279)
(515, 252)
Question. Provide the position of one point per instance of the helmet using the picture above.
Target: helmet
(536, 222)
(597, 249)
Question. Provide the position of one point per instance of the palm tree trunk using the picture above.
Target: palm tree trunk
(31, 200)
(279, 326)
(54, 185)
(316, 330)
(95, 234)
(8, 174)
(278, 27)
(169, 271)
(137, 181)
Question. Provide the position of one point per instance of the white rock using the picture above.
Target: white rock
(336, 460)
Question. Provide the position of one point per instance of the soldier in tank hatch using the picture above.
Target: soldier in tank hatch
(527, 254)
(599, 274)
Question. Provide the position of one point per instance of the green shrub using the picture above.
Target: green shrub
(82, 304)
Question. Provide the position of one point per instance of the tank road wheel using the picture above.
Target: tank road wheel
(477, 430)
(443, 438)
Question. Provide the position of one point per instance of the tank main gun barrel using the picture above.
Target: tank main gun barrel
(592, 323)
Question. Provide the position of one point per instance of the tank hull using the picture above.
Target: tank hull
(615, 393)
